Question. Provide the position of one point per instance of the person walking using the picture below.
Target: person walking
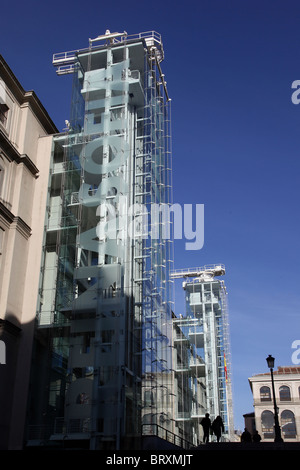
(206, 424)
(218, 427)
(256, 437)
(246, 436)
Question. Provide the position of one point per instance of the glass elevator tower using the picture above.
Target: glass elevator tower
(102, 359)
(206, 364)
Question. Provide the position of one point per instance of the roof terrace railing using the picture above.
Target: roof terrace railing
(151, 38)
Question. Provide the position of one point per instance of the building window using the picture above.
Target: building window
(265, 394)
(288, 424)
(267, 424)
(284, 393)
(3, 113)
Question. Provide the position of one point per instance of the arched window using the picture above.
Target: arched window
(284, 393)
(267, 424)
(288, 424)
(265, 393)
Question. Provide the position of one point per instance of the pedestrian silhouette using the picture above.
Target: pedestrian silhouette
(256, 437)
(206, 424)
(217, 427)
(246, 436)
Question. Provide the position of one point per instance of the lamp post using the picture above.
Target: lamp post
(270, 361)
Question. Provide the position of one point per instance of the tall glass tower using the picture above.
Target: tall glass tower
(102, 359)
(207, 361)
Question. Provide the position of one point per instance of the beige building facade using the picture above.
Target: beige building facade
(287, 393)
(25, 151)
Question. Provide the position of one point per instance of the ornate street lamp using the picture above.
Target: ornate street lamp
(270, 361)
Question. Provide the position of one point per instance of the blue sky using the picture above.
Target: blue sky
(229, 67)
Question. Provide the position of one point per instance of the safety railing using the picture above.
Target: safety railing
(65, 58)
(155, 430)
